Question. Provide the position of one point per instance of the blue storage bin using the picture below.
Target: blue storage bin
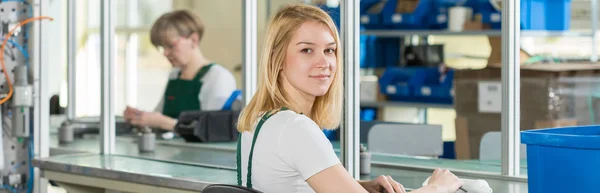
(334, 13)
(563, 159)
(429, 87)
(546, 14)
(415, 20)
(368, 51)
(389, 51)
(367, 114)
(371, 19)
(396, 83)
(330, 134)
(438, 18)
(554, 15)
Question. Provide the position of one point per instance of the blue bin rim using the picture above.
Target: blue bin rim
(587, 137)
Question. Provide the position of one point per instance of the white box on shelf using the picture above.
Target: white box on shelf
(489, 96)
(368, 88)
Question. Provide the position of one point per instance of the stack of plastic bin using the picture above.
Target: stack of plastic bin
(554, 15)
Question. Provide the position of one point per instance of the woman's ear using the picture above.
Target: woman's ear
(195, 39)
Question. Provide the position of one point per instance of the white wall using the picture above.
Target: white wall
(222, 40)
(58, 58)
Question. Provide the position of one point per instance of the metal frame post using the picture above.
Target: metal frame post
(71, 58)
(249, 58)
(350, 132)
(131, 55)
(511, 139)
(41, 79)
(594, 20)
(107, 113)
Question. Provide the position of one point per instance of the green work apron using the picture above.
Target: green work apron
(239, 151)
(182, 95)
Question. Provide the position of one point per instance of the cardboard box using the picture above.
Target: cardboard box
(406, 6)
(552, 95)
(470, 130)
(495, 58)
(547, 91)
(369, 89)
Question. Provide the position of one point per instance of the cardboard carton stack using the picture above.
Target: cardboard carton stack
(552, 95)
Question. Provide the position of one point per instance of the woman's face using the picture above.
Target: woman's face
(311, 60)
(178, 49)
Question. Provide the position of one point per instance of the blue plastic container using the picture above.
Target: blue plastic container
(396, 83)
(334, 13)
(563, 159)
(330, 134)
(415, 20)
(438, 18)
(389, 50)
(370, 20)
(546, 14)
(367, 114)
(429, 88)
(553, 15)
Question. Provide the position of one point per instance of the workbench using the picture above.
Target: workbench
(189, 167)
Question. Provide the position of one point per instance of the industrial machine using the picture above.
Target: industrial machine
(16, 95)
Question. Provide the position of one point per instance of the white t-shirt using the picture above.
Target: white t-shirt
(218, 85)
(289, 149)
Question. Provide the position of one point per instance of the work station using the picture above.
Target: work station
(423, 96)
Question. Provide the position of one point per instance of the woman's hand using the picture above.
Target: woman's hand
(152, 120)
(444, 181)
(130, 113)
(383, 184)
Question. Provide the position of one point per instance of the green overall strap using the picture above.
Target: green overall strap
(239, 164)
(202, 72)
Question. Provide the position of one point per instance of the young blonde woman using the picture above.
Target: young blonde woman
(282, 147)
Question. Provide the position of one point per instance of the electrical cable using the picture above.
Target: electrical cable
(7, 187)
(21, 49)
(6, 38)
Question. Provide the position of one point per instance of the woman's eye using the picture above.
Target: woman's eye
(306, 50)
(330, 51)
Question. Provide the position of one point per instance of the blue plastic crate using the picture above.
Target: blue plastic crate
(330, 134)
(371, 20)
(389, 51)
(554, 15)
(415, 20)
(334, 13)
(367, 114)
(546, 14)
(431, 87)
(396, 83)
(438, 18)
(563, 159)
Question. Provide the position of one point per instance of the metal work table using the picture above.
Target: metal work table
(221, 156)
(91, 172)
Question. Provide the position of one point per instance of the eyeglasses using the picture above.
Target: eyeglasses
(169, 47)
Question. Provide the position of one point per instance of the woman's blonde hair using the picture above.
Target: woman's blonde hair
(184, 22)
(270, 96)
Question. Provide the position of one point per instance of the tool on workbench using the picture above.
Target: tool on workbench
(365, 160)
(146, 140)
(470, 186)
(65, 133)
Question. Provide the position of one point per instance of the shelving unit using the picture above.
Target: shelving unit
(532, 33)
(524, 33)
(380, 104)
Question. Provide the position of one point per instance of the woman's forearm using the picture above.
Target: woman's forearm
(168, 123)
